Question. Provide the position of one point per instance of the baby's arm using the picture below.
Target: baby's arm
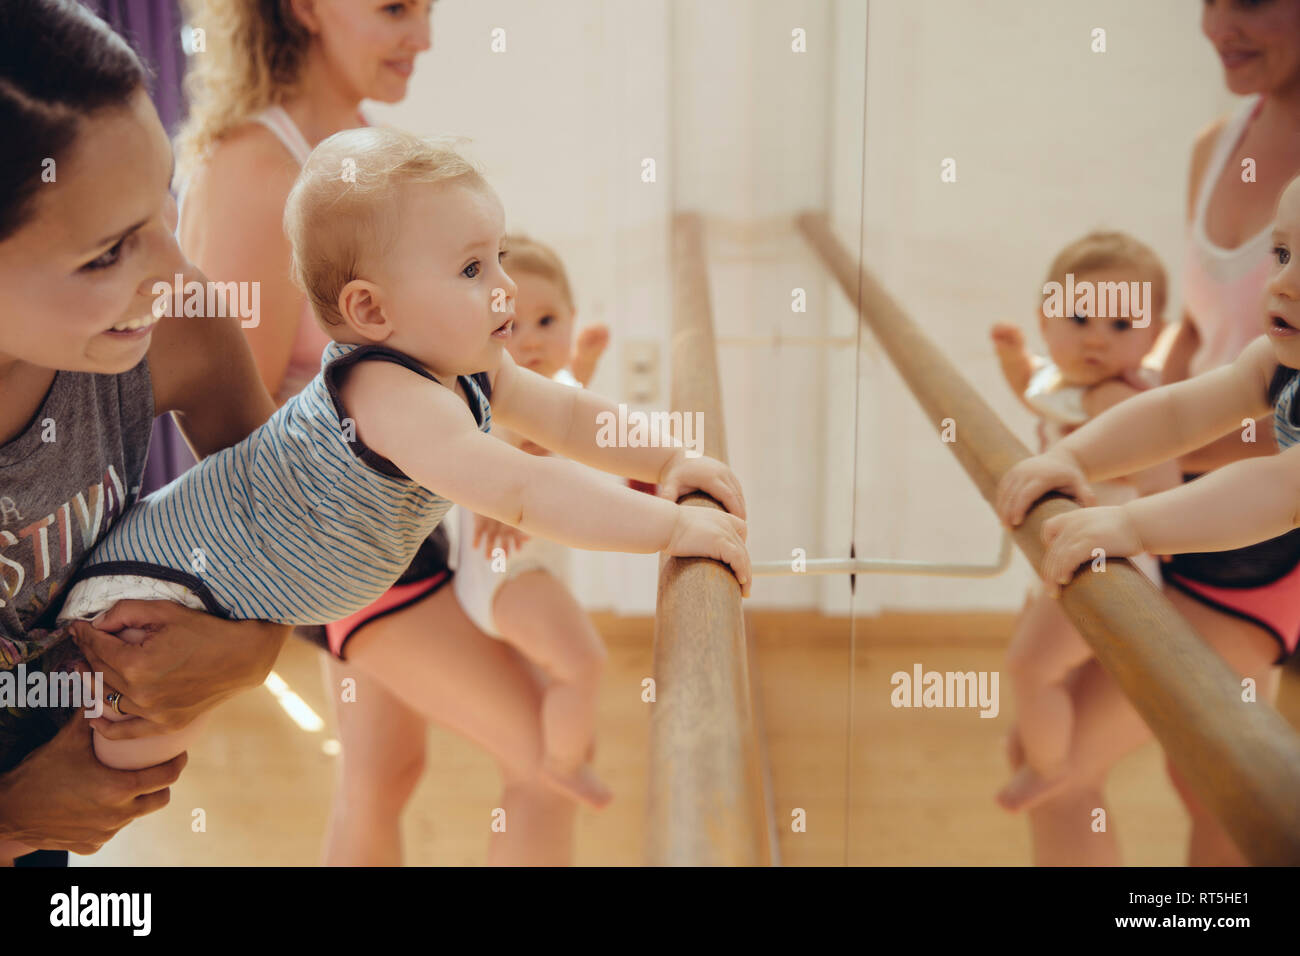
(567, 421)
(1237, 505)
(587, 351)
(427, 431)
(1017, 362)
(1240, 504)
(1149, 481)
(1169, 421)
(1145, 430)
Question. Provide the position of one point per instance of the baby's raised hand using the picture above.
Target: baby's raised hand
(1072, 538)
(496, 534)
(706, 533)
(1007, 336)
(1034, 477)
(682, 475)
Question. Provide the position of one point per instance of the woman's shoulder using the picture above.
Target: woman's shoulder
(1202, 150)
(244, 182)
(246, 154)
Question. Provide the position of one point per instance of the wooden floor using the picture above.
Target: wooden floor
(922, 780)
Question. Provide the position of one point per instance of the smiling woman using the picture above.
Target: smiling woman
(84, 369)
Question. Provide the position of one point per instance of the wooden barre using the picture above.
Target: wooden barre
(1242, 759)
(707, 801)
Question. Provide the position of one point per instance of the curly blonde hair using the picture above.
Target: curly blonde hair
(252, 57)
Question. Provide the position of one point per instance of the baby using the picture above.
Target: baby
(522, 597)
(397, 243)
(1243, 503)
(1095, 363)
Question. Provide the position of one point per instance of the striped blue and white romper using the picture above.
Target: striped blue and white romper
(299, 523)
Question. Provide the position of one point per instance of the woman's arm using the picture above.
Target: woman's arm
(569, 422)
(62, 798)
(232, 227)
(203, 372)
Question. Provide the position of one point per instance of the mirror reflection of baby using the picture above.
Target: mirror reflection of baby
(1095, 362)
(1243, 503)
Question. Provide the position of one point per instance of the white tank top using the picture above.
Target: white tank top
(1223, 288)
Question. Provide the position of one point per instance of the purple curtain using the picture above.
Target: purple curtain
(153, 27)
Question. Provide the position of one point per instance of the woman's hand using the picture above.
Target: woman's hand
(682, 475)
(1034, 477)
(62, 798)
(496, 534)
(1072, 538)
(703, 532)
(187, 663)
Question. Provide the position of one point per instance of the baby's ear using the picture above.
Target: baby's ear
(362, 311)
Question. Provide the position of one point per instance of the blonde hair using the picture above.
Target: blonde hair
(343, 207)
(253, 56)
(525, 254)
(1109, 250)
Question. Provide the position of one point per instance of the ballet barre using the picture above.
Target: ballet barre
(887, 566)
(710, 794)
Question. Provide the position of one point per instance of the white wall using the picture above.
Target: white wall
(1050, 140)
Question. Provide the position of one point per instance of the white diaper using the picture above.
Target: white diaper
(476, 582)
(91, 595)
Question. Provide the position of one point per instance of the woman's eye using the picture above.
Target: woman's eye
(546, 320)
(1079, 319)
(396, 9)
(1283, 255)
(1123, 325)
(108, 259)
(466, 271)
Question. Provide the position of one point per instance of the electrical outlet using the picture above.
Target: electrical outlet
(641, 371)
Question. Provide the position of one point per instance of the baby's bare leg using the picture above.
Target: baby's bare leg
(538, 616)
(384, 743)
(140, 752)
(1045, 649)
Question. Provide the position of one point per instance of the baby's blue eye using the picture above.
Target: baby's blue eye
(1283, 255)
(472, 265)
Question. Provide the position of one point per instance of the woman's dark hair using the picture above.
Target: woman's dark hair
(59, 63)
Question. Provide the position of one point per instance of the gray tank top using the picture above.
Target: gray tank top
(64, 481)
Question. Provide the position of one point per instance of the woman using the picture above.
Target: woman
(1244, 603)
(82, 258)
(277, 78)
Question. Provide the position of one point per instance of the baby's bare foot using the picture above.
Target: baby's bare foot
(1027, 789)
(580, 783)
